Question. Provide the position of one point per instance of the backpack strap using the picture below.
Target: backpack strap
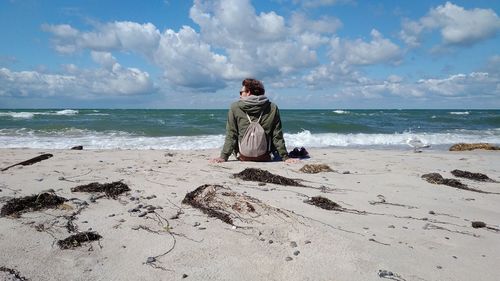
(250, 120)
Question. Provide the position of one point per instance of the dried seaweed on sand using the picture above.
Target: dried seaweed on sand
(472, 176)
(229, 206)
(436, 178)
(221, 202)
(31, 203)
(315, 168)
(110, 189)
(78, 239)
(323, 203)
(472, 146)
(12, 274)
(254, 174)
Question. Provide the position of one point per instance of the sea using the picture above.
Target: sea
(176, 129)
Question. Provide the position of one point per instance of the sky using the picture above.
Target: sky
(324, 54)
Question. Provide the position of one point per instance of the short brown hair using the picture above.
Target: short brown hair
(254, 86)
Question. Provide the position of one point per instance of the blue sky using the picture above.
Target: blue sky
(337, 54)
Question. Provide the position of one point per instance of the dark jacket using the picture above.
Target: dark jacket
(237, 123)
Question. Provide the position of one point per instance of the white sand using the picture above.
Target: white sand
(400, 236)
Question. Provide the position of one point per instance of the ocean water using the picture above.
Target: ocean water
(205, 129)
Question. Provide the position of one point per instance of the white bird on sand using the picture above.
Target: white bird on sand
(416, 144)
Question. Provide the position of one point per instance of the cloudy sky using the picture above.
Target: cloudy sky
(338, 54)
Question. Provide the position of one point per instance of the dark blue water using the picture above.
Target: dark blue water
(188, 129)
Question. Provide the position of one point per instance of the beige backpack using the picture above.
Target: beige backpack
(254, 143)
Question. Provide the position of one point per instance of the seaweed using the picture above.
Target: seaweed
(315, 168)
(16, 206)
(436, 178)
(472, 176)
(195, 199)
(110, 189)
(78, 239)
(14, 273)
(473, 146)
(323, 203)
(30, 161)
(254, 174)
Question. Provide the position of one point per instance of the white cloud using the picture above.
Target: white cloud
(115, 81)
(325, 25)
(128, 36)
(358, 52)
(189, 62)
(457, 25)
(472, 86)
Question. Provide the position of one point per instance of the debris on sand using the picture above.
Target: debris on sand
(223, 203)
(11, 274)
(45, 200)
(436, 178)
(472, 176)
(30, 161)
(472, 146)
(323, 203)
(254, 174)
(110, 189)
(78, 239)
(478, 224)
(315, 168)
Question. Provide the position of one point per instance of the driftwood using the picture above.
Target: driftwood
(30, 161)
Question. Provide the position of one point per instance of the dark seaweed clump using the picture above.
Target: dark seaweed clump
(472, 176)
(31, 203)
(323, 203)
(110, 189)
(78, 239)
(478, 224)
(15, 274)
(436, 178)
(195, 200)
(254, 174)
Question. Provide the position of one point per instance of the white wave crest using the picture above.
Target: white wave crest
(460, 112)
(20, 115)
(64, 139)
(338, 111)
(67, 112)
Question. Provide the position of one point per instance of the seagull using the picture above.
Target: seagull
(416, 144)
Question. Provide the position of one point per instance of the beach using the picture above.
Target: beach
(388, 222)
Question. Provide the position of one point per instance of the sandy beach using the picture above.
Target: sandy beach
(389, 224)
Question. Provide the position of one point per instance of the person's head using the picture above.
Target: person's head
(252, 87)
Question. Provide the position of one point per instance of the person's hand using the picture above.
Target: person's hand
(292, 160)
(217, 160)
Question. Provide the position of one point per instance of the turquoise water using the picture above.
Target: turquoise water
(193, 129)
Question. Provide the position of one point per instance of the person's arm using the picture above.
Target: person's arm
(231, 136)
(277, 137)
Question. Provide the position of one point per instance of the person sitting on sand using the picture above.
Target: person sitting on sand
(253, 105)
